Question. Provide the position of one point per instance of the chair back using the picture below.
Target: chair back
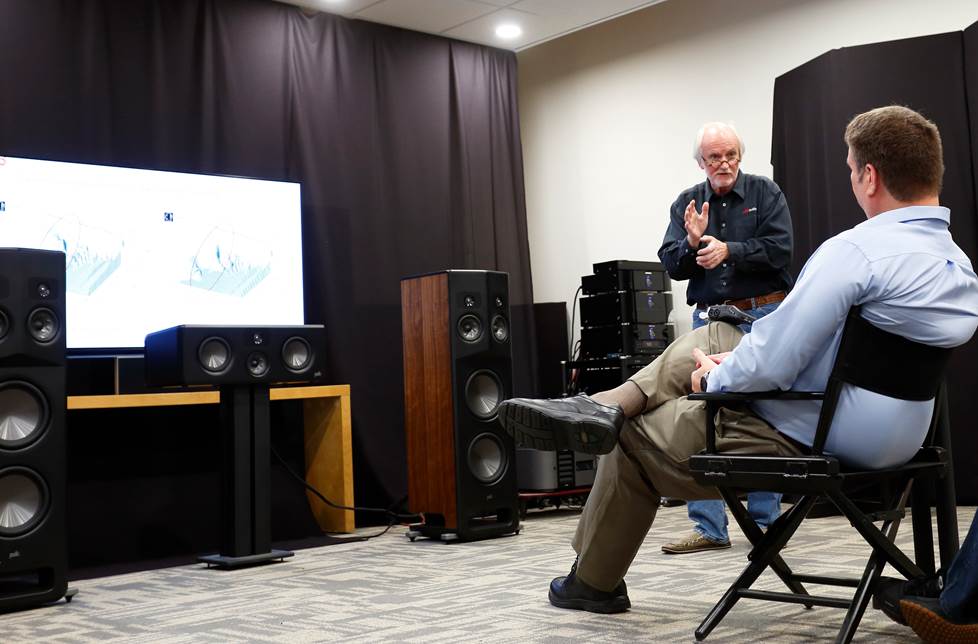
(881, 362)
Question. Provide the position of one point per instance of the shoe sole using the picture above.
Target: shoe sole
(934, 629)
(616, 605)
(531, 427)
(683, 551)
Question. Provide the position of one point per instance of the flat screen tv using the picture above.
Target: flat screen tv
(146, 250)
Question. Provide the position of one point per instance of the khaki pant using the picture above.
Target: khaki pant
(651, 459)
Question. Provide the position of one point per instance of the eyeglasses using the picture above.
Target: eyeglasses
(715, 160)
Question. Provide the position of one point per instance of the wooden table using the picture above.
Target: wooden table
(328, 445)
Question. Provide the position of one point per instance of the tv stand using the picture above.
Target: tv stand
(327, 439)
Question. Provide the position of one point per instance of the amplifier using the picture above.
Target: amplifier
(600, 375)
(625, 340)
(645, 307)
(616, 265)
(625, 280)
(544, 471)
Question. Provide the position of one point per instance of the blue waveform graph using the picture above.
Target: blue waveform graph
(230, 263)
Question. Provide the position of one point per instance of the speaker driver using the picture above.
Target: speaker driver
(470, 328)
(43, 325)
(487, 460)
(257, 364)
(500, 328)
(297, 354)
(4, 324)
(23, 414)
(483, 393)
(214, 355)
(23, 499)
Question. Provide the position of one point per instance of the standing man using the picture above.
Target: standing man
(730, 236)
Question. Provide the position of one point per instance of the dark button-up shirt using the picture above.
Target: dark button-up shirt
(754, 221)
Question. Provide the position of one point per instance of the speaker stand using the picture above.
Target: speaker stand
(245, 480)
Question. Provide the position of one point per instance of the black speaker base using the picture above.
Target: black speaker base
(448, 535)
(227, 562)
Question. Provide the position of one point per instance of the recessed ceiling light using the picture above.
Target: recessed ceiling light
(508, 31)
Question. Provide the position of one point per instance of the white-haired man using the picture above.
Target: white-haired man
(730, 236)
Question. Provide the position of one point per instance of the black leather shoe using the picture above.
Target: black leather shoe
(576, 423)
(571, 592)
(890, 591)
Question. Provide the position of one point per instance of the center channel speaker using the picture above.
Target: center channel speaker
(33, 546)
(193, 354)
(457, 369)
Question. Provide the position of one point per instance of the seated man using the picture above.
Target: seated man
(940, 614)
(902, 267)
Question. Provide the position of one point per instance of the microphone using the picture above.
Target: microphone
(728, 313)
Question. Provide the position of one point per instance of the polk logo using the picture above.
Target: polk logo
(748, 211)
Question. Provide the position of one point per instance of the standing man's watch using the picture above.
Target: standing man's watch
(703, 379)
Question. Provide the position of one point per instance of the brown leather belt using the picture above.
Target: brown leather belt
(753, 302)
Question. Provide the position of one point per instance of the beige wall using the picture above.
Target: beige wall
(608, 114)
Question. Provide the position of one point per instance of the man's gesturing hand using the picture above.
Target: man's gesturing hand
(715, 252)
(695, 223)
(703, 365)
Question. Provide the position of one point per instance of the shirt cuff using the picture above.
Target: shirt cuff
(736, 250)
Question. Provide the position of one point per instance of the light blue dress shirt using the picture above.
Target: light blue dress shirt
(911, 279)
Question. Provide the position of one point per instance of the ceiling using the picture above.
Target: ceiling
(476, 20)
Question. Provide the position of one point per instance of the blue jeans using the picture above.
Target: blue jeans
(710, 517)
(959, 599)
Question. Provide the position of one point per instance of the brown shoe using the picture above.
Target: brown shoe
(925, 616)
(695, 542)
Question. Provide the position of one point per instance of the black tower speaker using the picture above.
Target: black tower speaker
(457, 369)
(33, 546)
(242, 361)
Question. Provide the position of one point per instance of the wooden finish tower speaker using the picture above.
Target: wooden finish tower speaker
(457, 369)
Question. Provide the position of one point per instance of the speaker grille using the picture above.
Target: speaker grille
(23, 414)
(23, 501)
(483, 393)
(214, 355)
(470, 328)
(43, 325)
(296, 354)
(487, 458)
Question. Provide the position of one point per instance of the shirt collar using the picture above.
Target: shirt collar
(738, 187)
(909, 213)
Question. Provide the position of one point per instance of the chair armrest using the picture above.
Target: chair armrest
(737, 396)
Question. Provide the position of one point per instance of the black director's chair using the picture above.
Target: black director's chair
(871, 359)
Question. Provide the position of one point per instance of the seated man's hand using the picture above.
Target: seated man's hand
(719, 357)
(703, 365)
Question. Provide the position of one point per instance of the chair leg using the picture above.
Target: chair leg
(775, 539)
(874, 537)
(871, 575)
(768, 556)
(923, 532)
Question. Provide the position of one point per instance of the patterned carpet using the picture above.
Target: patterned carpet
(392, 590)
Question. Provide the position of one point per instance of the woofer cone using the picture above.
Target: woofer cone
(43, 325)
(23, 414)
(24, 501)
(487, 458)
(214, 355)
(470, 328)
(297, 354)
(4, 324)
(483, 393)
(500, 328)
(258, 364)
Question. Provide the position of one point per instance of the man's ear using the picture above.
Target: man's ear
(872, 180)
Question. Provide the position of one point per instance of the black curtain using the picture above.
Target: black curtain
(812, 105)
(407, 147)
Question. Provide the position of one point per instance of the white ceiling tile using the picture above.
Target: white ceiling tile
(433, 16)
(483, 30)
